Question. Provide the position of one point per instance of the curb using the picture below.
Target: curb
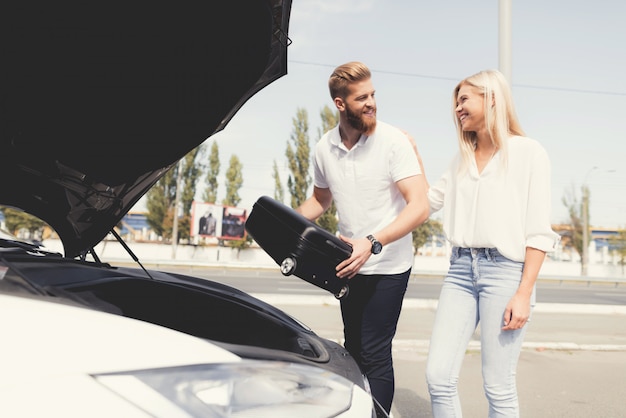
(275, 299)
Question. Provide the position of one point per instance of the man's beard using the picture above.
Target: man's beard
(358, 122)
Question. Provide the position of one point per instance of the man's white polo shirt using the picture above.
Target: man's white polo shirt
(362, 182)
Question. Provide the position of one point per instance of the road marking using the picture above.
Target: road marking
(610, 294)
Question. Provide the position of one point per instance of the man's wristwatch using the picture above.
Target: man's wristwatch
(377, 247)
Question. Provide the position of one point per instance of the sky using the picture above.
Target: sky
(568, 69)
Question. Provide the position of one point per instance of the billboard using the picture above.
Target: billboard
(218, 221)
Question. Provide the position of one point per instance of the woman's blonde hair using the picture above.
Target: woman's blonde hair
(500, 117)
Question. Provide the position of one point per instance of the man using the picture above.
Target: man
(211, 224)
(202, 225)
(370, 171)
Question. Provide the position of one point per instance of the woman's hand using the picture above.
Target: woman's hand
(517, 312)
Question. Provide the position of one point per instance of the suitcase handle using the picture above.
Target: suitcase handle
(335, 246)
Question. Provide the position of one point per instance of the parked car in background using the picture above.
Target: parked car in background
(97, 104)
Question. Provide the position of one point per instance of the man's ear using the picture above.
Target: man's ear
(339, 103)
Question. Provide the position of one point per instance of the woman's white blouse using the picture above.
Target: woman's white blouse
(505, 207)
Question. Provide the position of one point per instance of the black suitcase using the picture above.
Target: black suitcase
(299, 246)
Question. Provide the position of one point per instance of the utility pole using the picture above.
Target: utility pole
(505, 43)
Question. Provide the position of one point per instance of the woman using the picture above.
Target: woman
(496, 199)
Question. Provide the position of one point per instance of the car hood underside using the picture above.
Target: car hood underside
(99, 101)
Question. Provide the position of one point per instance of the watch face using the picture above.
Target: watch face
(377, 247)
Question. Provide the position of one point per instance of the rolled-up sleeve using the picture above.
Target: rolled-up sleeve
(539, 233)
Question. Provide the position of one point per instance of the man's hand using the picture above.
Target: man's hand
(361, 252)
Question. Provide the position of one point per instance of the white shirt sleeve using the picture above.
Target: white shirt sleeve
(539, 233)
(437, 191)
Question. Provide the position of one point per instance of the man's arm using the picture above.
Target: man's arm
(317, 204)
(416, 212)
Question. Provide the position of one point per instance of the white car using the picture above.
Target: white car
(99, 101)
(67, 361)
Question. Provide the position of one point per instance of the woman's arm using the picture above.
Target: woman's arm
(517, 310)
(419, 158)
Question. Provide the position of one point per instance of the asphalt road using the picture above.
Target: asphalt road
(572, 365)
(269, 281)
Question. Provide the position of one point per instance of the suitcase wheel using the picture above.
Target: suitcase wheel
(288, 266)
(343, 292)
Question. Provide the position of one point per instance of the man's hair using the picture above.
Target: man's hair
(346, 74)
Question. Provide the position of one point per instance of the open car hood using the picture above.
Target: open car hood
(99, 100)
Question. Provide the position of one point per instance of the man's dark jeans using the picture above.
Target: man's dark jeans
(370, 316)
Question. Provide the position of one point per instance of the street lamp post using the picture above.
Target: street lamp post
(585, 221)
(585, 216)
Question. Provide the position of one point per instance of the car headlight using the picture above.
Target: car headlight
(243, 389)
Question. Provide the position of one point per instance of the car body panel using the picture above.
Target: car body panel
(128, 344)
(205, 309)
(62, 350)
(57, 347)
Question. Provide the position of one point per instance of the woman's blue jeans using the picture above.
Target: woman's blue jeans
(479, 284)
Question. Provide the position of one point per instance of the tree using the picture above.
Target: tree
(619, 244)
(425, 232)
(298, 159)
(16, 220)
(279, 191)
(574, 237)
(161, 198)
(159, 201)
(234, 180)
(191, 172)
(210, 193)
(330, 119)
(240, 244)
